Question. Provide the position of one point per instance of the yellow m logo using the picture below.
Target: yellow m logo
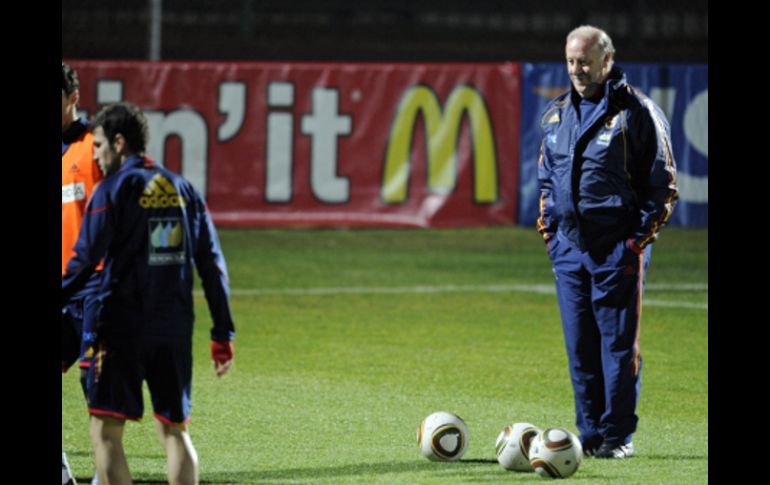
(442, 132)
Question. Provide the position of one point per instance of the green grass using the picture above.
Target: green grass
(331, 388)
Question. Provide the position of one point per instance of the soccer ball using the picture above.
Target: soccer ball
(442, 436)
(555, 453)
(512, 446)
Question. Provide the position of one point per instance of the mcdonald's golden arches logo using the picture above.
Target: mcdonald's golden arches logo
(442, 132)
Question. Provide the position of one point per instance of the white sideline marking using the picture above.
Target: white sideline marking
(502, 288)
(676, 304)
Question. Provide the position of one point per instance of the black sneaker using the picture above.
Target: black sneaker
(614, 450)
(590, 450)
(591, 446)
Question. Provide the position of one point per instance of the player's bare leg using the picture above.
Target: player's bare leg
(107, 440)
(181, 456)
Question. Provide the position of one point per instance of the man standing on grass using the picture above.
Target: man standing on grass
(607, 186)
(150, 226)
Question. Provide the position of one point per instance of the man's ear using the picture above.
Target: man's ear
(607, 60)
(74, 97)
(119, 145)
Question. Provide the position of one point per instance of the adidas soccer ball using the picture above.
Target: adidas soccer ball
(442, 436)
(512, 446)
(555, 453)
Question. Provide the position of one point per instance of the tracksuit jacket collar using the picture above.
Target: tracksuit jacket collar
(616, 80)
(135, 161)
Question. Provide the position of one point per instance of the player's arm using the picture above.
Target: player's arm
(654, 176)
(546, 223)
(210, 262)
(95, 235)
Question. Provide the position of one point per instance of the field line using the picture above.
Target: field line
(547, 289)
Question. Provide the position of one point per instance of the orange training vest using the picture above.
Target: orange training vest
(79, 175)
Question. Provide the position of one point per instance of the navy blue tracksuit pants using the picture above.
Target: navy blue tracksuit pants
(600, 296)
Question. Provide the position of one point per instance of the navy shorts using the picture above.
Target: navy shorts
(119, 367)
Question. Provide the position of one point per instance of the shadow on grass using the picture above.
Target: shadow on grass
(475, 470)
(152, 456)
(467, 471)
(160, 480)
(675, 457)
(464, 471)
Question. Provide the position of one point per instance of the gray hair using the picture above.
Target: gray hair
(602, 39)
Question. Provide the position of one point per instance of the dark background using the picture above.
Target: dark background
(382, 30)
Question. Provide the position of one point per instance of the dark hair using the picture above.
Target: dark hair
(126, 119)
(69, 79)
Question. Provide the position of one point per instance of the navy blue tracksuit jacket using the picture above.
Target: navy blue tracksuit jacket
(608, 178)
(151, 227)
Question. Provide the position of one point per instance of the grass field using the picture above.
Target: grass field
(347, 339)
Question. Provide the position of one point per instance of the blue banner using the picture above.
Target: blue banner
(681, 90)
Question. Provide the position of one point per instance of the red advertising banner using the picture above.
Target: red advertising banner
(329, 144)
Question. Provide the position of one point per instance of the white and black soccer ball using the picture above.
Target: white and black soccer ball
(442, 436)
(512, 446)
(555, 453)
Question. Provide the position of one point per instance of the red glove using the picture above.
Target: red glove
(222, 354)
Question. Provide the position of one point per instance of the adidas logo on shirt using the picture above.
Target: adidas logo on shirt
(160, 193)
